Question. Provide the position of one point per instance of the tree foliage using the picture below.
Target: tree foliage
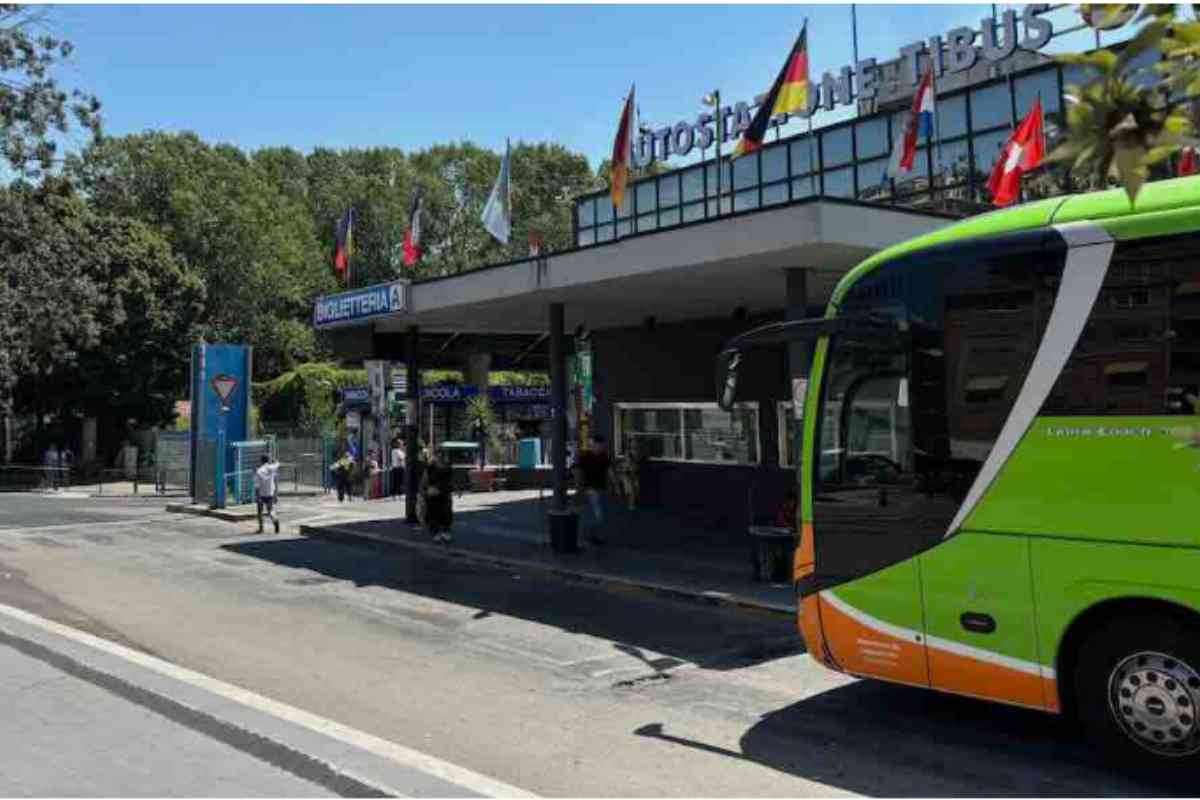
(33, 107)
(99, 309)
(1137, 107)
(231, 220)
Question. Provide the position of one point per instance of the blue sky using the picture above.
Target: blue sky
(411, 76)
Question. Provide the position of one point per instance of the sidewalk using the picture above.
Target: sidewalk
(647, 549)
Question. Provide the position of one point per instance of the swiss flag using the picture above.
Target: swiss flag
(1024, 152)
(1187, 161)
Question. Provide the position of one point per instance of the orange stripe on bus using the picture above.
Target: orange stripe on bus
(968, 675)
(804, 561)
(863, 650)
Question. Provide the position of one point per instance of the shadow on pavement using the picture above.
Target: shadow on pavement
(882, 739)
(709, 636)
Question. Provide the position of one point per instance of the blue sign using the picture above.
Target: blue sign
(360, 304)
(216, 367)
(448, 393)
(520, 394)
(356, 395)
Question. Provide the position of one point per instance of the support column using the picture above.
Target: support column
(558, 406)
(478, 367)
(799, 353)
(412, 427)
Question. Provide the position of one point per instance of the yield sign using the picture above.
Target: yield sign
(224, 386)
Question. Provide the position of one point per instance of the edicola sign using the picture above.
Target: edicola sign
(958, 50)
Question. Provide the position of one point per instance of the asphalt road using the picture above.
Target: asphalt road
(557, 687)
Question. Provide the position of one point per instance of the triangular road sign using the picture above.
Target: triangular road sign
(224, 386)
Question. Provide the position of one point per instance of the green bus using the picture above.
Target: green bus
(1000, 482)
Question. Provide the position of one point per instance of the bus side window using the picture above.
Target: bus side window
(1140, 350)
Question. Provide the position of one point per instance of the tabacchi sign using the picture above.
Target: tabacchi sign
(955, 51)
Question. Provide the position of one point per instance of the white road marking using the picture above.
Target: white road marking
(399, 754)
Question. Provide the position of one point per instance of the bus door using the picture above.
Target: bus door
(867, 510)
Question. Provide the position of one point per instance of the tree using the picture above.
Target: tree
(228, 217)
(32, 106)
(1137, 109)
(51, 306)
(102, 311)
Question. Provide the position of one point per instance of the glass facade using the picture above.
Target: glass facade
(849, 160)
(693, 432)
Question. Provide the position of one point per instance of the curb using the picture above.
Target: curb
(222, 514)
(336, 533)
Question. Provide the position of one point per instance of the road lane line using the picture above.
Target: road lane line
(397, 753)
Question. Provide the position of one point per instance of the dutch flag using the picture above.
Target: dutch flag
(923, 105)
(920, 122)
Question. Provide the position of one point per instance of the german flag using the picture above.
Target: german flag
(622, 152)
(788, 94)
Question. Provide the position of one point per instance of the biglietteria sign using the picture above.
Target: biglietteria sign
(360, 304)
(958, 50)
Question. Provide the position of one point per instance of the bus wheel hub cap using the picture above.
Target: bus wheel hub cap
(1153, 698)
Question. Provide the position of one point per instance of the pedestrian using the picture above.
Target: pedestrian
(52, 462)
(343, 471)
(594, 465)
(437, 487)
(398, 457)
(370, 476)
(68, 463)
(266, 487)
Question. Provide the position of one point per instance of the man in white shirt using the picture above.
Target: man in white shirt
(266, 487)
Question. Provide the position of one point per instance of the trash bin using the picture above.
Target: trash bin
(773, 550)
(564, 531)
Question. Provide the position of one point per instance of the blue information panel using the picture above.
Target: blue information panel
(361, 304)
(220, 401)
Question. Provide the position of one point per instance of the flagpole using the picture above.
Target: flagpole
(808, 112)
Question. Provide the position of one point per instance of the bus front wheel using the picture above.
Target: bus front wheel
(1137, 693)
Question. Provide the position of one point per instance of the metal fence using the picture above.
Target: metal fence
(304, 463)
(247, 456)
(33, 477)
(172, 462)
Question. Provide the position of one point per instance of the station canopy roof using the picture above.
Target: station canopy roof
(696, 271)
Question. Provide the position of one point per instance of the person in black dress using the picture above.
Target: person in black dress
(437, 486)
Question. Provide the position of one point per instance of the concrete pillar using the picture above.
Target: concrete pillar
(799, 352)
(558, 406)
(412, 427)
(478, 367)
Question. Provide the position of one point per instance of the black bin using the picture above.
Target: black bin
(564, 531)
(774, 549)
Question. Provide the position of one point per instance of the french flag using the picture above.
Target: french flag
(921, 122)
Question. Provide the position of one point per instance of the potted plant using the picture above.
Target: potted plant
(481, 425)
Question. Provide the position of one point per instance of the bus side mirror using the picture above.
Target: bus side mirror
(727, 367)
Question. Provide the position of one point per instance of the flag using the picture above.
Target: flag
(412, 237)
(343, 247)
(1023, 152)
(535, 243)
(1187, 161)
(497, 214)
(895, 168)
(920, 121)
(622, 153)
(788, 94)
